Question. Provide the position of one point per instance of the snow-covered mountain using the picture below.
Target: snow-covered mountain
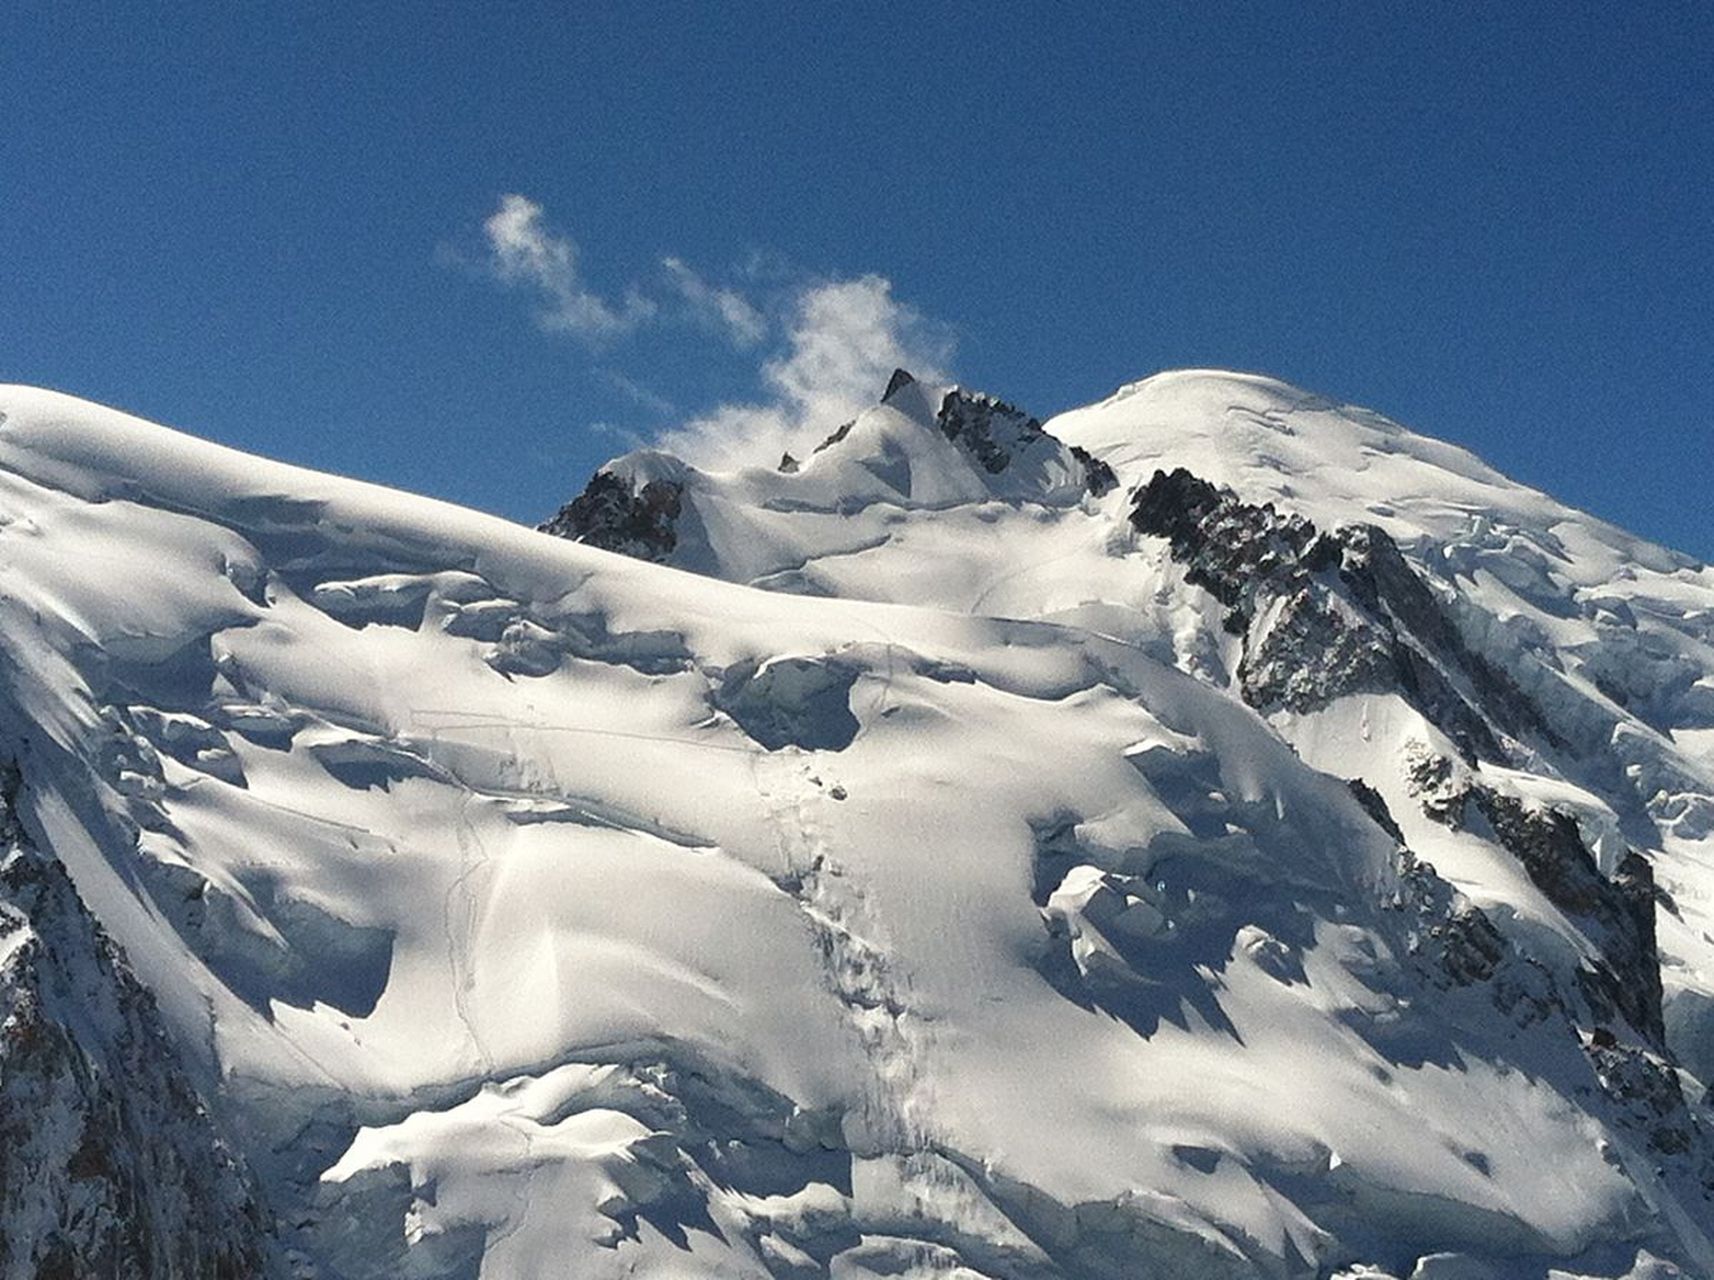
(1215, 832)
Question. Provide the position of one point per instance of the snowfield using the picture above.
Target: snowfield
(908, 861)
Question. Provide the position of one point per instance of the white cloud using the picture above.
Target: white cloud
(642, 396)
(723, 309)
(838, 341)
(844, 338)
(627, 438)
(524, 251)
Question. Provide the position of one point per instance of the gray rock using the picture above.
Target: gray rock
(110, 1161)
(610, 514)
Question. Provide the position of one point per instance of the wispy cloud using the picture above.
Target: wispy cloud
(725, 310)
(835, 342)
(627, 438)
(524, 251)
(638, 394)
(843, 340)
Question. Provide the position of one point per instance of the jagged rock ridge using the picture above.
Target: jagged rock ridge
(640, 505)
(1324, 615)
(1620, 912)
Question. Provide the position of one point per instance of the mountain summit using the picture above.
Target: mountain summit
(1213, 832)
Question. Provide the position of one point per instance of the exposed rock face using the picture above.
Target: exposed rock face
(840, 432)
(1100, 477)
(1455, 944)
(1325, 614)
(1452, 941)
(994, 433)
(614, 516)
(109, 1161)
(1376, 807)
(1620, 912)
(1617, 914)
(1229, 548)
(1648, 1093)
(989, 429)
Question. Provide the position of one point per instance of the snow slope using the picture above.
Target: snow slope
(524, 909)
(1608, 637)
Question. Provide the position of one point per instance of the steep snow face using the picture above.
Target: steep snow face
(538, 908)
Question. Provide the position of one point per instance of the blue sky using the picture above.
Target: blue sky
(286, 227)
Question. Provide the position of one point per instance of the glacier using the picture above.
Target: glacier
(1213, 832)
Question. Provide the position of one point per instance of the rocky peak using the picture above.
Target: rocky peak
(901, 378)
(646, 504)
(994, 433)
(990, 430)
(617, 514)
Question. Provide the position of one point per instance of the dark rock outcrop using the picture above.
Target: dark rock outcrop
(110, 1164)
(1325, 614)
(1098, 477)
(612, 514)
(988, 429)
(836, 435)
(993, 432)
(1231, 549)
(1648, 1095)
(1618, 913)
(1456, 945)
(1376, 807)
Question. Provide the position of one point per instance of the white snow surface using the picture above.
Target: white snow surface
(535, 911)
(1611, 636)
